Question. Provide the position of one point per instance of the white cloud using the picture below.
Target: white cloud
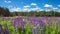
(34, 4)
(25, 9)
(55, 8)
(47, 10)
(58, 5)
(34, 9)
(27, 6)
(15, 9)
(30, 9)
(41, 9)
(7, 1)
(47, 5)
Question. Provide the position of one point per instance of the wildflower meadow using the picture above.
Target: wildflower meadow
(30, 25)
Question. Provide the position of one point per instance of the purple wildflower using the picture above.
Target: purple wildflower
(6, 29)
(3, 19)
(43, 30)
(36, 29)
(1, 30)
(22, 27)
(41, 23)
(16, 26)
(14, 22)
(32, 30)
(45, 18)
(56, 25)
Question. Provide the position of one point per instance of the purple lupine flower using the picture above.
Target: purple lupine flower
(0, 27)
(43, 30)
(14, 22)
(16, 26)
(41, 23)
(1, 30)
(55, 18)
(3, 19)
(33, 19)
(45, 18)
(32, 30)
(6, 29)
(19, 21)
(57, 28)
(36, 29)
(7, 18)
(56, 25)
(22, 27)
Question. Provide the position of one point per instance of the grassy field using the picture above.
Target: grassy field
(30, 25)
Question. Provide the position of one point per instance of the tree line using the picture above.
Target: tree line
(4, 12)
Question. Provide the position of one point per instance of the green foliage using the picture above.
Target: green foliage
(4, 11)
(35, 13)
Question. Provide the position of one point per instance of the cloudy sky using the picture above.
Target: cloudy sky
(19, 5)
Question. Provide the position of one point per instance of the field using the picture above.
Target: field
(30, 25)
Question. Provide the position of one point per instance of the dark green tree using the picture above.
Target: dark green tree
(4, 11)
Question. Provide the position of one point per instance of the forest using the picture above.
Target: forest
(5, 12)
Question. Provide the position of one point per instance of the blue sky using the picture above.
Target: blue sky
(18, 5)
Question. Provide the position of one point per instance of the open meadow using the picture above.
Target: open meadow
(30, 25)
(29, 16)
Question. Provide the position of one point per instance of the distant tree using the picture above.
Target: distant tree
(4, 11)
(35, 13)
(42, 13)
